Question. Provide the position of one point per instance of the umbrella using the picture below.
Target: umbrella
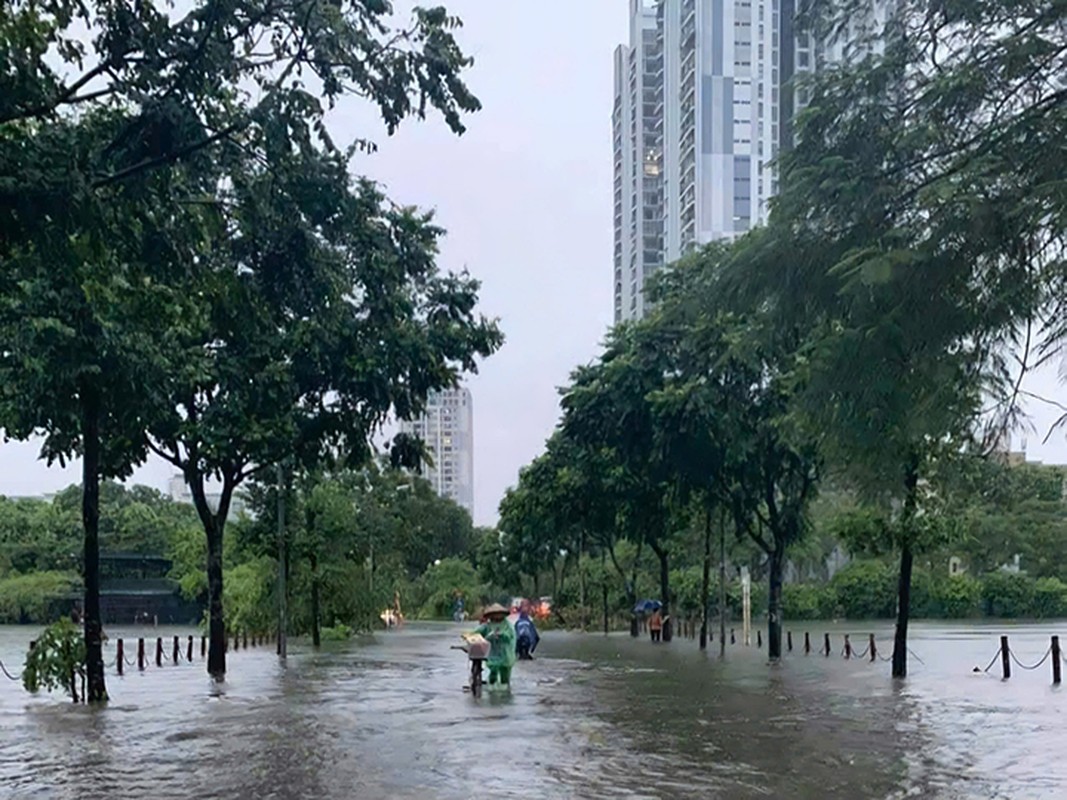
(647, 606)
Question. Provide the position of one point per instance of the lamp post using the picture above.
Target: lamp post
(282, 611)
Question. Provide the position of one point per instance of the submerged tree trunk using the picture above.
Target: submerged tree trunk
(705, 584)
(900, 639)
(96, 691)
(774, 602)
(315, 636)
(665, 588)
(214, 523)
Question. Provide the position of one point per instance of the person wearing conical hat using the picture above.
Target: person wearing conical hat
(500, 634)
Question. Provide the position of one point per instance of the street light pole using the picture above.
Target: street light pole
(281, 563)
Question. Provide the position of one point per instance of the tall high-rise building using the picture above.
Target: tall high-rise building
(703, 104)
(447, 428)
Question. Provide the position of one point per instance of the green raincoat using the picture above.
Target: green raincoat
(501, 637)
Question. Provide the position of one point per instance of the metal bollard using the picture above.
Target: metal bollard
(244, 640)
(189, 651)
(826, 644)
(140, 655)
(789, 641)
(159, 651)
(1005, 657)
(733, 640)
(874, 649)
(119, 656)
(759, 638)
(203, 646)
(807, 643)
(1056, 661)
(848, 648)
(176, 656)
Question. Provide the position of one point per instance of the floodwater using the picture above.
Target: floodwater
(591, 717)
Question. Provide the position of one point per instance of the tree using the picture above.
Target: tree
(725, 421)
(86, 323)
(607, 406)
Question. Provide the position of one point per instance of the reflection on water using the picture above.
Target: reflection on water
(592, 717)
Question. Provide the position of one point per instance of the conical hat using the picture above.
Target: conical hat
(495, 608)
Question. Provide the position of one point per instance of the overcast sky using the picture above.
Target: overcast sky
(525, 196)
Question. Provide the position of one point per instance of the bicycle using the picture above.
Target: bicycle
(476, 653)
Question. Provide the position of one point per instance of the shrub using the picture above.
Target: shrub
(1008, 594)
(807, 601)
(1050, 598)
(957, 597)
(33, 597)
(865, 590)
(57, 661)
(336, 633)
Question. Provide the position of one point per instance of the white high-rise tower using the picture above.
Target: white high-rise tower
(703, 104)
(447, 428)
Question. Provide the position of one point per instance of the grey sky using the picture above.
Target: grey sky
(526, 197)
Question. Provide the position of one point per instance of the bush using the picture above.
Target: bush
(57, 661)
(336, 633)
(957, 597)
(865, 590)
(1008, 594)
(32, 598)
(1050, 598)
(807, 601)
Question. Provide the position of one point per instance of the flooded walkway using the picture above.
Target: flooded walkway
(592, 717)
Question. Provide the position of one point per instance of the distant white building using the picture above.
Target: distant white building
(447, 429)
(179, 492)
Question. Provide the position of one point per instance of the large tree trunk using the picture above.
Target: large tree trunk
(315, 638)
(94, 646)
(774, 603)
(216, 654)
(705, 585)
(665, 588)
(214, 523)
(900, 639)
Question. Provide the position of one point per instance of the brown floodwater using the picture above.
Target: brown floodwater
(591, 717)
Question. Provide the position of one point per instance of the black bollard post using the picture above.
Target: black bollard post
(1005, 657)
(789, 641)
(807, 643)
(119, 655)
(203, 646)
(1056, 663)
(159, 651)
(733, 640)
(244, 641)
(176, 656)
(759, 638)
(826, 644)
(140, 655)
(874, 649)
(848, 648)
(33, 644)
(189, 651)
